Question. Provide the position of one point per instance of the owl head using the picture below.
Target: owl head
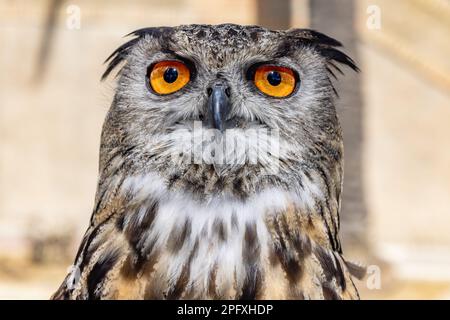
(225, 108)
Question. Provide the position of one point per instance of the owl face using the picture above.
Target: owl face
(261, 99)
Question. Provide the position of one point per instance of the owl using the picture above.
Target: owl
(220, 172)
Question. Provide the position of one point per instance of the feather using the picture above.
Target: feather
(121, 53)
(357, 270)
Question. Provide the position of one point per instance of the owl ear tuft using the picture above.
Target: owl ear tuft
(314, 36)
(325, 46)
(156, 32)
(334, 56)
(120, 54)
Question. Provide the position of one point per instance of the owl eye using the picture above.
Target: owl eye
(275, 81)
(168, 76)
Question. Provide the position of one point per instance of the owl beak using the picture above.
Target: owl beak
(218, 106)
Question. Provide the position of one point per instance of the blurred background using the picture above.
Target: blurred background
(395, 116)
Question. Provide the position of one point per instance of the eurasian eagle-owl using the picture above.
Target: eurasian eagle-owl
(221, 166)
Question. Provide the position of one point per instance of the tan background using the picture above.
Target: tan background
(50, 121)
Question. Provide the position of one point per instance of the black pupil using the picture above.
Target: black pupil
(170, 75)
(274, 78)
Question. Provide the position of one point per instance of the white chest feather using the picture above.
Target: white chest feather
(201, 240)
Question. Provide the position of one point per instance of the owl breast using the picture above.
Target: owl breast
(216, 248)
(159, 243)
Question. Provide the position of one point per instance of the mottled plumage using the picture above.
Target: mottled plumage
(167, 228)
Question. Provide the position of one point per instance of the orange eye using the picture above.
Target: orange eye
(275, 81)
(169, 76)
